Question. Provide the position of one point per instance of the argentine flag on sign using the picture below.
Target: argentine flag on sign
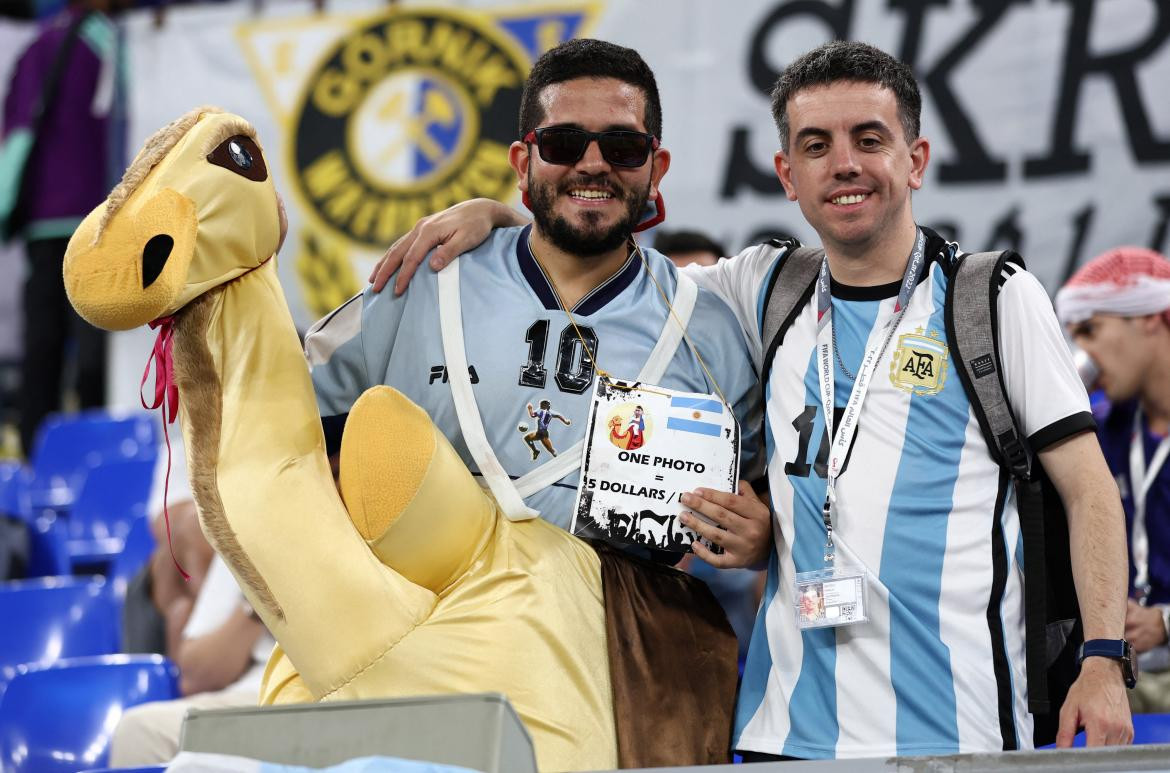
(696, 414)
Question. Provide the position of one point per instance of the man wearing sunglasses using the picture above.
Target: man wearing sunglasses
(542, 309)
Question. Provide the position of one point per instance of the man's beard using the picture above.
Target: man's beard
(586, 242)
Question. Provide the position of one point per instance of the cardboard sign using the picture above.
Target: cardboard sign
(644, 446)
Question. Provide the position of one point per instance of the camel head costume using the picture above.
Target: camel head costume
(411, 582)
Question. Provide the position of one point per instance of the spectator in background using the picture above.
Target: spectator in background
(687, 247)
(74, 161)
(1117, 309)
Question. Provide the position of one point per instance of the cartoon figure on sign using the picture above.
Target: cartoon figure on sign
(543, 417)
(628, 429)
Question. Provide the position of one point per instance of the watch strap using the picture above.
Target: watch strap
(1105, 648)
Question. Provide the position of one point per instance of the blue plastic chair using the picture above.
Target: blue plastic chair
(68, 446)
(136, 551)
(1151, 728)
(52, 618)
(60, 718)
(113, 497)
(48, 553)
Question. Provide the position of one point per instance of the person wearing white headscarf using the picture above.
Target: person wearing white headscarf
(1117, 310)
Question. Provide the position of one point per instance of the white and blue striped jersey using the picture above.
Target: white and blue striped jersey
(522, 350)
(922, 506)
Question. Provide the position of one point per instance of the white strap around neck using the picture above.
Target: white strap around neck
(510, 494)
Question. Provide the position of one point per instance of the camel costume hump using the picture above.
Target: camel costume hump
(416, 583)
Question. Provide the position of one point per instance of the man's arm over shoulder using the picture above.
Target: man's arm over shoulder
(720, 340)
(739, 283)
(1052, 409)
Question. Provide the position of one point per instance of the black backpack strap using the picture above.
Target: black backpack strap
(973, 331)
(973, 334)
(789, 289)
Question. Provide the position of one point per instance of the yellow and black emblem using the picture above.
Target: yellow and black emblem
(920, 363)
(405, 116)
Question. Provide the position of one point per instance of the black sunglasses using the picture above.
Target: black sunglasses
(564, 145)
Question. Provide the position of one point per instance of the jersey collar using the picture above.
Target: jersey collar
(933, 249)
(594, 300)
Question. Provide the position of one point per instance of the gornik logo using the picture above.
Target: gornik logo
(405, 116)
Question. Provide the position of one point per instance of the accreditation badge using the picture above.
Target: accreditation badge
(644, 446)
(829, 597)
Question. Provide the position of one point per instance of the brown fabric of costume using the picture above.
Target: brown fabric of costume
(672, 659)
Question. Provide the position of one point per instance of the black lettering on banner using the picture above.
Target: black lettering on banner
(1120, 68)
(974, 162)
(575, 369)
(1006, 233)
(741, 172)
(1081, 223)
(1158, 239)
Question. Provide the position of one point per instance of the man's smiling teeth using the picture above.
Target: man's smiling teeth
(583, 194)
(855, 198)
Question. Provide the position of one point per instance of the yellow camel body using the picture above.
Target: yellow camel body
(416, 584)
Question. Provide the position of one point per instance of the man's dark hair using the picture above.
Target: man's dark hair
(588, 58)
(843, 60)
(671, 242)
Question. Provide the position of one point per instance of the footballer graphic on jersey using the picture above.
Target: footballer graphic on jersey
(920, 363)
(543, 417)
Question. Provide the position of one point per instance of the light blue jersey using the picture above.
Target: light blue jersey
(526, 362)
(922, 508)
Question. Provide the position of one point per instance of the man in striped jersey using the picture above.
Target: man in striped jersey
(920, 509)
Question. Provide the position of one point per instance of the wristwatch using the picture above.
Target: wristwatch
(1114, 649)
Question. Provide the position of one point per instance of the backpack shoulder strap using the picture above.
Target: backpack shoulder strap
(973, 333)
(789, 289)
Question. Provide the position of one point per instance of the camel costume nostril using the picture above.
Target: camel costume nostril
(414, 584)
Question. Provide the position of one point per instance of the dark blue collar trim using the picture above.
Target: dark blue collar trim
(594, 300)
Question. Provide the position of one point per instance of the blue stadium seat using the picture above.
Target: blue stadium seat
(60, 718)
(48, 554)
(1151, 728)
(136, 550)
(14, 480)
(113, 497)
(52, 618)
(68, 446)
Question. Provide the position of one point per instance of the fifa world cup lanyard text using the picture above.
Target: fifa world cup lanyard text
(1141, 480)
(836, 595)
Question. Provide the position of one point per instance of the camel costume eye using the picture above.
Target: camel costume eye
(240, 154)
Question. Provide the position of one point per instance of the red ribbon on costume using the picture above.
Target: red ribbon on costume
(166, 398)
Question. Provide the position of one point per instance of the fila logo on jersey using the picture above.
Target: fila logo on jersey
(920, 363)
(408, 114)
(439, 373)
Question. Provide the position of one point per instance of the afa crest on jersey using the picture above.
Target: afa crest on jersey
(920, 363)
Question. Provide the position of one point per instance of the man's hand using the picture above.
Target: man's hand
(449, 233)
(746, 536)
(1144, 628)
(1096, 702)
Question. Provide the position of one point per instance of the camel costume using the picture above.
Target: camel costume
(412, 582)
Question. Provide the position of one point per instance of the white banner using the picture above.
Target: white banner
(1049, 123)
